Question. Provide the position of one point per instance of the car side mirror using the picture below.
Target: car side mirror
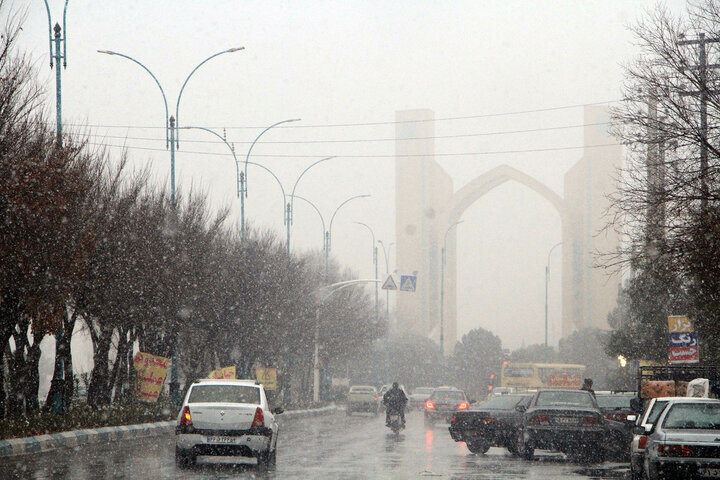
(520, 408)
(277, 410)
(473, 401)
(631, 418)
(638, 430)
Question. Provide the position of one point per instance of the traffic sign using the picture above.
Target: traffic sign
(408, 283)
(389, 284)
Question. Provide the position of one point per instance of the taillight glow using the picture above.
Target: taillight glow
(539, 420)
(642, 442)
(430, 405)
(487, 421)
(463, 406)
(591, 420)
(376, 399)
(618, 417)
(185, 417)
(674, 451)
(259, 419)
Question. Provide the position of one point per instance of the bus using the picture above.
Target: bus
(528, 376)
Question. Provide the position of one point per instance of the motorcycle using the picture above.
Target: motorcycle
(396, 423)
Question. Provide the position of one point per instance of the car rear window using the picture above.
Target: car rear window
(448, 395)
(423, 391)
(657, 409)
(693, 416)
(614, 401)
(362, 390)
(564, 399)
(502, 402)
(224, 394)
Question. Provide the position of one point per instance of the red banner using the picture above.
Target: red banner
(684, 355)
(571, 381)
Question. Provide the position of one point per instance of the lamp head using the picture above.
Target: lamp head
(107, 52)
(234, 49)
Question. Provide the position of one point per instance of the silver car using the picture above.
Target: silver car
(637, 448)
(226, 418)
(685, 441)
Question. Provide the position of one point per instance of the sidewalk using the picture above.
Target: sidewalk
(75, 438)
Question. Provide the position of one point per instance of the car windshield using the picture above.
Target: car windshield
(454, 395)
(693, 416)
(224, 394)
(564, 399)
(656, 410)
(423, 391)
(502, 402)
(519, 372)
(614, 401)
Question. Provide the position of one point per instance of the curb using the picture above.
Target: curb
(43, 443)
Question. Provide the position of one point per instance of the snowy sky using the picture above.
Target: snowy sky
(345, 68)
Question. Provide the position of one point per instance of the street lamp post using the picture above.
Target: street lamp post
(58, 39)
(547, 279)
(172, 142)
(375, 262)
(328, 235)
(244, 177)
(442, 288)
(291, 203)
(170, 121)
(386, 254)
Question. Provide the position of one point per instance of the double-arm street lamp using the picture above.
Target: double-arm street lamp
(443, 260)
(547, 278)
(326, 233)
(244, 177)
(170, 121)
(170, 141)
(291, 203)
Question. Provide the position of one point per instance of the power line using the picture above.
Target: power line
(363, 140)
(497, 152)
(365, 124)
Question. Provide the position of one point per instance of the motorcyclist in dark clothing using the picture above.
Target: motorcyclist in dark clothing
(395, 401)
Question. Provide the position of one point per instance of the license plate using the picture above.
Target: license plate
(566, 420)
(221, 439)
(710, 472)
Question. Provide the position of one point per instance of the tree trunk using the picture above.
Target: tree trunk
(32, 386)
(98, 389)
(62, 381)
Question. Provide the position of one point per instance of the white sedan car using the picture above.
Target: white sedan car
(226, 418)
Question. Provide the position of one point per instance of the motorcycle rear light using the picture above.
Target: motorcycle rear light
(590, 421)
(674, 451)
(539, 420)
(259, 419)
(463, 406)
(642, 442)
(488, 421)
(430, 405)
(185, 417)
(376, 399)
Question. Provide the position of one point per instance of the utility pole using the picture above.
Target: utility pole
(702, 67)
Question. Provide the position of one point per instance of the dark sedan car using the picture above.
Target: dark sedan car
(442, 404)
(568, 421)
(493, 423)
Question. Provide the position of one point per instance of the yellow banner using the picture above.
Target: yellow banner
(679, 324)
(151, 372)
(267, 376)
(223, 373)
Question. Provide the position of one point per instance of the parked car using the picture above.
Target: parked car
(648, 418)
(568, 421)
(442, 404)
(493, 423)
(419, 395)
(684, 442)
(228, 418)
(616, 407)
(362, 398)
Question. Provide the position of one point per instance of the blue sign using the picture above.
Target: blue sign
(686, 339)
(408, 283)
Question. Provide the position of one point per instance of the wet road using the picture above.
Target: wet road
(331, 447)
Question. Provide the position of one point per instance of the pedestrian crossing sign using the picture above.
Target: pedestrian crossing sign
(408, 283)
(389, 284)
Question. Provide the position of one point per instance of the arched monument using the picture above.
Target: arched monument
(427, 204)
